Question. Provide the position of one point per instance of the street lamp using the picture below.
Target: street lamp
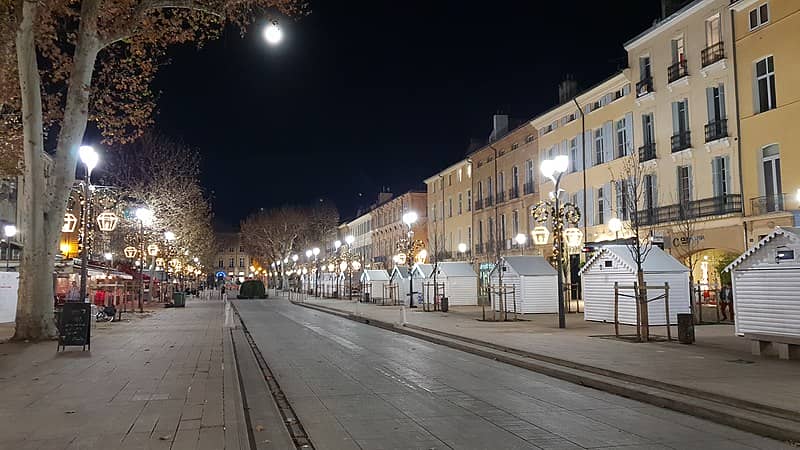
(409, 247)
(553, 210)
(315, 252)
(145, 216)
(89, 158)
(615, 225)
(9, 231)
(521, 239)
(169, 236)
(462, 248)
(273, 33)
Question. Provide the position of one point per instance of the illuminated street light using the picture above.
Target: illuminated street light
(349, 239)
(336, 244)
(615, 225)
(410, 218)
(169, 236)
(273, 33)
(89, 158)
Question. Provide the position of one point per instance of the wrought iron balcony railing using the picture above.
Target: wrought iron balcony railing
(677, 71)
(767, 204)
(644, 86)
(681, 141)
(717, 129)
(647, 152)
(712, 54)
(695, 209)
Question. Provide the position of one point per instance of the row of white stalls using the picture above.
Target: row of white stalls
(457, 279)
(530, 285)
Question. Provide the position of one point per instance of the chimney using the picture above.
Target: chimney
(499, 126)
(668, 7)
(567, 90)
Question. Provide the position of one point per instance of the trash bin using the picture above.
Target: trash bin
(445, 304)
(685, 329)
(179, 299)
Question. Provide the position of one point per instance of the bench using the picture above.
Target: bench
(788, 347)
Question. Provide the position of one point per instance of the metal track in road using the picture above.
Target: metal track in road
(290, 420)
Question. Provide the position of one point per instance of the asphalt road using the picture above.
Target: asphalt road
(354, 386)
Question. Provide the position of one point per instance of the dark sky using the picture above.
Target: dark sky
(365, 94)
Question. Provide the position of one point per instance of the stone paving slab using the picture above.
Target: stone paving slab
(719, 363)
(154, 381)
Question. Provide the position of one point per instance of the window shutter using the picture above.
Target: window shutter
(675, 120)
(608, 141)
(565, 147)
(655, 190)
(691, 183)
(579, 160)
(629, 133)
(723, 114)
(587, 138)
(607, 202)
(581, 205)
(590, 206)
(716, 178)
(727, 165)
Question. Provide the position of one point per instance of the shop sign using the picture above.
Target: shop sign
(686, 240)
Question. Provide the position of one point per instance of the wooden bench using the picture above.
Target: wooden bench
(788, 347)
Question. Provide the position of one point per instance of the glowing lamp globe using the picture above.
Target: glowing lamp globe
(410, 218)
(615, 225)
(349, 239)
(308, 253)
(356, 265)
(273, 34)
(462, 247)
(521, 239)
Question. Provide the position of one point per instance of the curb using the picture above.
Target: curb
(759, 419)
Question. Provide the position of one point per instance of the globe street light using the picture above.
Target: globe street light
(553, 210)
(462, 248)
(9, 231)
(169, 236)
(521, 239)
(145, 216)
(615, 225)
(410, 218)
(273, 33)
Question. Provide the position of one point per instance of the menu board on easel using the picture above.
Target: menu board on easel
(74, 325)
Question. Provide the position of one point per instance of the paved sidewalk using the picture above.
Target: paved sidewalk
(719, 363)
(155, 381)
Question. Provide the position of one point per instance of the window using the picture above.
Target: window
(460, 174)
(715, 98)
(759, 16)
(469, 200)
(449, 206)
(480, 191)
(598, 146)
(515, 182)
(433, 212)
(650, 187)
(241, 249)
(622, 138)
(678, 50)
(514, 223)
(713, 33)
(529, 138)
(684, 185)
(241, 262)
(644, 68)
(573, 154)
(648, 130)
(221, 264)
(490, 225)
(601, 206)
(514, 146)
(450, 180)
(529, 174)
(501, 183)
(719, 176)
(480, 232)
(765, 85)
(489, 188)
(460, 207)
(681, 137)
(771, 166)
(231, 263)
(622, 187)
(503, 234)
(230, 250)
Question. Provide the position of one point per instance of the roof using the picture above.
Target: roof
(401, 270)
(660, 25)
(426, 269)
(376, 275)
(779, 231)
(657, 260)
(529, 265)
(456, 269)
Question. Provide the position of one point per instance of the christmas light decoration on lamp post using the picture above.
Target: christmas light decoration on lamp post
(130, 252)
(89, 158)
(408, 248)
(70, 223)
(107, 221)
(554, 211)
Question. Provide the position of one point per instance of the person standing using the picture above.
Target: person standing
(74, 293)
(726, 301)
(222, 292)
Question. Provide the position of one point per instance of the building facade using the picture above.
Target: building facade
(231, 258)
(767, 45)
(388, 226)
(361, 230)
(450, 212)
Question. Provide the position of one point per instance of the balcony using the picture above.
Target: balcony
(716, 130)
(696, 209)
(478, 204)
(528, 188)
(647, 152)
(501, 197)
(712, 54)
(644, 86)
(513, 193)
(489, 201)
(677, 71)
(767, 204)
(478, 249)
(681, 141)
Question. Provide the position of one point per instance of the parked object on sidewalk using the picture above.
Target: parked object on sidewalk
(179, 299)
(105, 313)
(74, 325)
(685, 329)
(374, 282)
(766, 282)
(399, 278)
(9, 283)
(614, 263)
(252, 289)
(422, 274)
(530, 284)
(460, 282)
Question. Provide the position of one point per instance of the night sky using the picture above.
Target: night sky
(364, 94)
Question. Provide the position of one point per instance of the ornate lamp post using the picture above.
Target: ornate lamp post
(521, 239)
(145, 217)
(89, 158)
(462, 248)
(553, 210)
(409, 249)
(9, 231)
(615, 226)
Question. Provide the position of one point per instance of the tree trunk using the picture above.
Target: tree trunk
(643, 307)
(43, 206)
(35, 306)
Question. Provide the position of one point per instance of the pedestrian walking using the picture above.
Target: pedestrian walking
(726, 301)
(222, 292)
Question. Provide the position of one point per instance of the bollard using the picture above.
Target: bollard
(685, 329)
(403, 311)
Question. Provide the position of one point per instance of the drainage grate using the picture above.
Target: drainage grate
(290, 420)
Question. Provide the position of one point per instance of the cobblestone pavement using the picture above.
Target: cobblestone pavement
(154, 382)
(356, 386)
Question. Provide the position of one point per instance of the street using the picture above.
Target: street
(356, 386)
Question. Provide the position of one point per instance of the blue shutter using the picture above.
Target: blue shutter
(608, 141)
(590, 206)
(579, 160)
(716, 176)
(587, 138)
(722, 107)
(629, 133)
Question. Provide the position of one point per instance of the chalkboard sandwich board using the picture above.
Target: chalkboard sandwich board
(74, 325)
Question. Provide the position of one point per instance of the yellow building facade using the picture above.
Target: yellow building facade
(767, 45)
(450, 212)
